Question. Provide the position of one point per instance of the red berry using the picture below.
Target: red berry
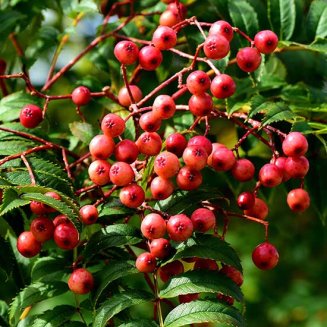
(161, 188)
(246, 200)
(216, 46)
(243, 170)
(265, 256)
(160, 248)
(176, 143)
(166, 164)
(153, 226)
(61, 219)
(201, 141)
(225, 298)
(223, 159)
(296, 167)
(203, 219)
(164, 38)
(164, 107)
(81, 96)
(121, 173)
(188, 179)
(198, 82)
(112, 125)
(266, 41)
(127, 151)
(150, 58)
(124, 98)
(99, 172)
(179, 227)
(81, 281)
(30, 116)
(215, 146)
(146, 262)
(195, 157)
(206, 264)
(132, 196)
(178, 9)
(126, 52)
(222, 86)
(232, 273)
(186, 298)
(149, 143)
(270, 175)
(89, 214)
(298, 200)
(41, 208)
(149, 122)
(66, 236)
(258, 210)
(248, 59)
(200, 105)
(170, 269)
(223, 28)
(101, 147)
(168, 18)
(42, 228)
(27, 245)
(280, 163)
(295, 145)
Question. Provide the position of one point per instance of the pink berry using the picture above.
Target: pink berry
(132, 196)
(161, 188)
(200, 105)
(295, 145)
(61, 219)
(270, 175)
(153, 226)
(30, 116)
(149, 122)
(164, 107)
(27, 245)
(298, 200)
(81, 96)
(126, 150)
(248, 59)
(176, 143)
(150, 58)
(246, 200)
(126, 52)
(66, 236)
(188, 179)
(201, 141)
(198, 82)
(222, 86)
(121, 173)
(265, 256)
(146, 262)
(232, 273)
(124, 97)
(223, 28)
(206, 264)
(149, 143)
(179, 227)
(215, 146)
(195, 157)
(170, 269)
(101, 147)
(164, 38)
(160, 248)
(112, 125)
(223, 159)
(258, 210)
(296, 167)
(81, 281)
(216, 46)
(243, 170)
(266, 41)
(169, 18)
(166, 164)
(42, 229)
(280, 163)
(203, 219)
(88, 214)
(99, 172)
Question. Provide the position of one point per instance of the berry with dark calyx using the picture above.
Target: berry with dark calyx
(232, 273)
(150, 58)
(280, 163)
(243, 170)
(206, 264)
(149, 122)
(81, 281)
(223, 159)
(132, 195)
(170, 269)
(121, 173)
(61, 219)
(164, 38)
(160, 248)
(265, 256)
(99, 172)
(27, 245)
(146, 262)
(168, 18)
(203, 220)
(126, 150)
(295, 145)
(81, 96)
(215, 146)
(153, 226)
(186, 298)
(66, 236)
(112, 125)
(296, 167)
(246, 200)
(42, 228)
(161, 188)
(179, 227)
(163, 107)
(258, 210)
(126, 52)
(198, 82)
(195, 157)
(176, 143)
(166, 164)
(270, 175)
(149, 143)
(248, 59)
(101, 147)
(223, 28)
(124, 98)
(216, 47)
(222, 86)
(201, 141)
(266, 41)
(188, 179)
(200, 105)
(298, 200)
(88, 214)
(30, 116)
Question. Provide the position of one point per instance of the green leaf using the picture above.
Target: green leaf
(316, 24)
(130, 132)
(114, 235)
(203, 311)
(13, 146)
(82, 131)
(198, 281)
(208, 247)
(11, 201)
(278, 112)
(7, 257)
(140, 323)
(118, 303)
(56, 317)
(287, 18)
(46, 267)
(114, 270)
(9, 20)
(115, 209)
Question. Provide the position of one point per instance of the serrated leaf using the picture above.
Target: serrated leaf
(56, 317)
(316, 24)
(114, 235)
(277, 113)
(11, 201)
(114, 270)
(9, 20)
(203, 311)
(118, 303)
(198, 281)
(140, 323)
(45, 267)
(208, 247)
(115, 209)
(9, 147)
(83, 131)
(287, 12)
